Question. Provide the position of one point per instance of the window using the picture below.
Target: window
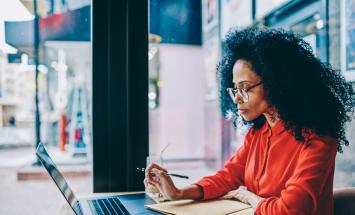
(184, 117)
(63, 56)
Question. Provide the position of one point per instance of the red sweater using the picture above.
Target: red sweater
(293, 177)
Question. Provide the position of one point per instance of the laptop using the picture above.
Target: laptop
(116, 204)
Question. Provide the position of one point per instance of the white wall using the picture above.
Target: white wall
(181, 112)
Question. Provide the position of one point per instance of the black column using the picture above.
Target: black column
(120, 90)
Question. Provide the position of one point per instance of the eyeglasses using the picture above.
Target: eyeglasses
(243, 92)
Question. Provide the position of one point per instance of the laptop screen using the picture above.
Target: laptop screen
(58, 178)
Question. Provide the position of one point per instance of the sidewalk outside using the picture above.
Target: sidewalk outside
(16, 137)
(39, 196)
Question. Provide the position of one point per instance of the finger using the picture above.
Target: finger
(153, 188)
(233, 192)
(244, 192)
(154, 183)
(230, 194)
(147, 171)
(156, 176)
(227, 196)
(153, 178)
(241, 198)
(160, 188)
(150, 178)
(244, 197)
(159, 173)
(156, 166)
(151, 166)
(148, 183)
(242, 187)
(165, 181)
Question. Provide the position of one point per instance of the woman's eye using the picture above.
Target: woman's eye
(242, 86)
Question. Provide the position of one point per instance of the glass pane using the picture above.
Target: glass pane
(341, 43)
(184, 117)
(185, 120)
(309, 28)
(64, 103)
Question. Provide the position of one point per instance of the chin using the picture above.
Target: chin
(248, 117)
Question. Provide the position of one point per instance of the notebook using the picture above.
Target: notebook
(209, 207)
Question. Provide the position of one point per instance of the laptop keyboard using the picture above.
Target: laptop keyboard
(108, 206)
(77, 208)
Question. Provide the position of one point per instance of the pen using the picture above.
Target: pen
(170, 174)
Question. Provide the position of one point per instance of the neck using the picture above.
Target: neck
(272, 119)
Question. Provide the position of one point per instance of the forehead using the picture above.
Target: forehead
(242, 71)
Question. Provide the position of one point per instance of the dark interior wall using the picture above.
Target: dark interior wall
(176, 22)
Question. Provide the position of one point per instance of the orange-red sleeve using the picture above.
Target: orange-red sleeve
(228, 178)
(314, 167)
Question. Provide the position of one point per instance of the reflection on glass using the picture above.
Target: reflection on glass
(309, 28)
(183, 97)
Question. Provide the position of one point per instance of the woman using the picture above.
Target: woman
(296, 107)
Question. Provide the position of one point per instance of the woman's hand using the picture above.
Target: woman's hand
(156, 176)
(244, 195)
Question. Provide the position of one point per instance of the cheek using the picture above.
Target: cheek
(256, 107)
(260, 107)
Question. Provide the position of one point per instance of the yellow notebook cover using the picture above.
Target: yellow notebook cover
(210, 207)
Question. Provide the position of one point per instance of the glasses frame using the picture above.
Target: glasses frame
(243, 92)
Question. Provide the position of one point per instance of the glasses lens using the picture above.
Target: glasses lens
(231, 93)
(244, 95)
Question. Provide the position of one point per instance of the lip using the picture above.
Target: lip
(242, 110)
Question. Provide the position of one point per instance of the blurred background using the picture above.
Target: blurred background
(46, 86)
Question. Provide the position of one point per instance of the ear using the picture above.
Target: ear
(272, 111)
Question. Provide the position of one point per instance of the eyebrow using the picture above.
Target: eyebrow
(242, 82)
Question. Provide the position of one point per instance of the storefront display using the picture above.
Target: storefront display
(348, 39)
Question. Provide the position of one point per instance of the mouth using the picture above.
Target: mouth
(241, 111)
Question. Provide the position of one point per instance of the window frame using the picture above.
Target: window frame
(120, 89)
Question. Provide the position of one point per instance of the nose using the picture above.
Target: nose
(238, 99)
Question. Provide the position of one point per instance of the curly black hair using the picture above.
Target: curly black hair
(309, 95)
